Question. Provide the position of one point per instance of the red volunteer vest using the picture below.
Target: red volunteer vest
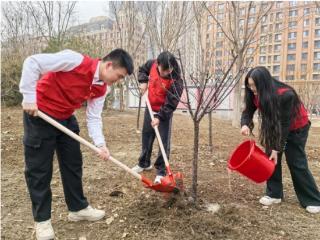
(157, 88)
(301, 118)
(60, 93)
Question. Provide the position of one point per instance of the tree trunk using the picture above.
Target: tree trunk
(121, 98)
(195, 160)
(237, 100)
(139, 109)
(210, 132)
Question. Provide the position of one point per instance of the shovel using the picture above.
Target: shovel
(171, 182)
(147, 182)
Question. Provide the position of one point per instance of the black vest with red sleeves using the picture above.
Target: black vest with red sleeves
(157, 88)
(60, 93)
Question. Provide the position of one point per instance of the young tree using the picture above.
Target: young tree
(204, 89)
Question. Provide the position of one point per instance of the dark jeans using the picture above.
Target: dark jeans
(148, 136)
(303, 181)
(40, 141)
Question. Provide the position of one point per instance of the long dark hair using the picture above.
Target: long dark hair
(269, 104)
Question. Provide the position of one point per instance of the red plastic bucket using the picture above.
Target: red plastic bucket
(249, 160)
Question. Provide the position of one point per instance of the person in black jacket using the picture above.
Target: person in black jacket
(284, 128)
(161, 77)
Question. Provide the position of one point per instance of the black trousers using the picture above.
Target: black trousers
(303, 181)
(40, 141)
(148, 136)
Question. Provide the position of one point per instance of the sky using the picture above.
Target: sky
(89, 9)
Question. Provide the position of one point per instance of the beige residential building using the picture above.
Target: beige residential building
(105, 35)
(287, 42)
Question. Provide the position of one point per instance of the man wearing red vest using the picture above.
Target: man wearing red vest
(162, 79)
(58, 84)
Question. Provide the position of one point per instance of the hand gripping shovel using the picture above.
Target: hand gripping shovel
(147, 182)
(171, 182)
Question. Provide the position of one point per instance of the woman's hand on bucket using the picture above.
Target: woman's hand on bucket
(245, 130)
(274, 156)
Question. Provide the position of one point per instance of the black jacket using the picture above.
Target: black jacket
(286, 108)
(174, 93)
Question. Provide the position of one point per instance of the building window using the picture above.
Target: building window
(264, 19)
(251, 20)
(291, 46)
(306, 33)
(264, 28)
(303, 67)
(317, 21)
(242, 11)
(262, 59)
(276, 58)
(276, 68)
(290, 67)
(306, 11)
(316, 66)
(219, 34)
(317, 32)
(220, 16)
(263, 50)
(221, 6)
(271, 17)
(277, 48)
(303, 77)
(293, 13)
(291, 57)
(289, 77)
(277, 37)
(252, 10)
(279, 15)
(304, 56)
(269, 61)
(278, 26)
(250, 50)
(292, 24)
(263, 39)
(279, 4)
(306, 22)
(218, 53)
(219, 44)
(305, 45)
(292, 35)
(316, 76)
(317, 44)
(292, 3)
(241, 22)
(316, 56)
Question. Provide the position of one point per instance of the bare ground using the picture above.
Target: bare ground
(133, 212)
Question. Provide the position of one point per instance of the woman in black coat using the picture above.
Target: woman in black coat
(284, 127)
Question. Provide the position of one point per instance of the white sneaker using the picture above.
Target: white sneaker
(89, 214)
(313, 209)
(44, 230)
(139, 169)
(158, 178)
(266, 200)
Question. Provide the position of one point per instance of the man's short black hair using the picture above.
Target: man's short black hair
(167, 60)
(120, 58)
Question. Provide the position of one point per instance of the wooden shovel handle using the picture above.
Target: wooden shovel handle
(157, 133)
(85, 142)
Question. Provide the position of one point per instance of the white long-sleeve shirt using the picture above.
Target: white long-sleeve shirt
(37, 65)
